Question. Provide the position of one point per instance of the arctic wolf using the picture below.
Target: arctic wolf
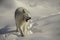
(22, 17)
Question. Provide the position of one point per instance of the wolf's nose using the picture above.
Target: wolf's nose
(29, 17)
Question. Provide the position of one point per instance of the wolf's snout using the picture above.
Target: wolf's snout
(28, 19)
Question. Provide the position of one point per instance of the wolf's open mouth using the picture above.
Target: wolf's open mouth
(28, 19)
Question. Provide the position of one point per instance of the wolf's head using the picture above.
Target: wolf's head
(26, 15)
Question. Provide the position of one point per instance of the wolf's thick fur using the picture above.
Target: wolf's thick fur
(21, 18)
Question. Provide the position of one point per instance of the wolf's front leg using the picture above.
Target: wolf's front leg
(21, 31)
(27, 31)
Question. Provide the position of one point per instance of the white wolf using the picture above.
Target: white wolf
(22, 18)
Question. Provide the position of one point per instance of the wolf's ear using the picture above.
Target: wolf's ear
(23, 11)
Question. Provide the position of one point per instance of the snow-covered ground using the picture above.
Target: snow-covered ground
(45, 18)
